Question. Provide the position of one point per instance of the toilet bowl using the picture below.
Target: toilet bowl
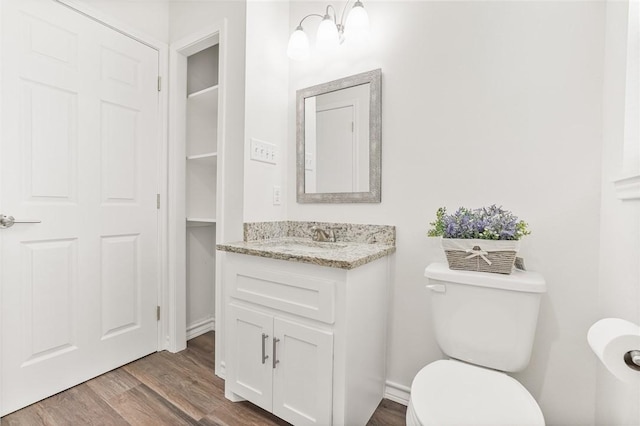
(486, 324)
(448, 393)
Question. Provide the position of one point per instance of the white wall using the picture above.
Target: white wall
(148, 16)
(266, 106)
(619, 289)
(485, 102)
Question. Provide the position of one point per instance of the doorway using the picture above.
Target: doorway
(197, 185)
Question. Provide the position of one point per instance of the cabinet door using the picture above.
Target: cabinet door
(303, 376)
(249, 373)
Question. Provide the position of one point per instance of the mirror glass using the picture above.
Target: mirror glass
(338, 140)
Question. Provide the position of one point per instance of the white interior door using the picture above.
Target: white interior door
(79, 152)
(335, 145)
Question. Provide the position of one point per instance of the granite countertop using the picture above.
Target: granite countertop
(340, 254)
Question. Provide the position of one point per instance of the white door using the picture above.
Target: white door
(335, 146)
(303, 375)
(79, 152)
(249, 345)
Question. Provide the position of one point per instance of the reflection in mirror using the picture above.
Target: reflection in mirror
(338, 141)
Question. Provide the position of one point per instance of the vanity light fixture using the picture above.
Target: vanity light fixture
(330, 32)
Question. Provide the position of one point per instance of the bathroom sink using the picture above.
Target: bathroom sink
(356, 245)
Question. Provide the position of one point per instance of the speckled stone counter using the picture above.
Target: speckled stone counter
(355, 244)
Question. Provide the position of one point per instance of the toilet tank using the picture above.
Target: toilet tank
(483, 318)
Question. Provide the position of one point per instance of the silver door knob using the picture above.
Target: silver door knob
(8, 221)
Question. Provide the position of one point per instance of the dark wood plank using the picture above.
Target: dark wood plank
(142, 406)
(76, 406)
(388, 413)
(201, 350)
(28, 416)
(267, 416)
(113, 383)
(241, 413)
(188, 385)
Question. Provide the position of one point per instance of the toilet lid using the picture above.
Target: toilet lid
(454, 393)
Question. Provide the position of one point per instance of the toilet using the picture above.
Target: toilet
(485, 323)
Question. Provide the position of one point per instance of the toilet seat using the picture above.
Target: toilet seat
(450, 392)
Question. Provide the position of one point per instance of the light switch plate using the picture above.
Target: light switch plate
(264, 151)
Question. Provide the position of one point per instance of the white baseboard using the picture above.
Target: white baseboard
(221, 371)
(397, 393)
(198, 328)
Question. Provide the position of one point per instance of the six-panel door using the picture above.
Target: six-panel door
(79, 153)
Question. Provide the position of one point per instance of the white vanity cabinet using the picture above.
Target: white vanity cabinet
(280, 364)
(306, 342)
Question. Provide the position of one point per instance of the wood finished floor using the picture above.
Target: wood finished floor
(162, 389)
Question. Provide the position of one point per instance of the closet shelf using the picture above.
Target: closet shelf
(202, 156)
(211, 89)
(200, 221)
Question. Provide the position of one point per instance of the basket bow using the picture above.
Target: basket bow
(477, 251)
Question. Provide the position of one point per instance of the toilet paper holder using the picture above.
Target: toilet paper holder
(632, 359)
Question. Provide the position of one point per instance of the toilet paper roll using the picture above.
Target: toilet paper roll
(611, 339)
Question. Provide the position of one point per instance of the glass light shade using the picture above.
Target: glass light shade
(357, 26)
(298, 48)
(327, 37)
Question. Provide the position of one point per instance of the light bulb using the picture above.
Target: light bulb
(298, 48)
(357, 25)
(327, 37)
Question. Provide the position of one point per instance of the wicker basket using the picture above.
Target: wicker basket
(495, 256)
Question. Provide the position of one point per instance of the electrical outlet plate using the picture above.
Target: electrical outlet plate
(277, 195)
(264, 151)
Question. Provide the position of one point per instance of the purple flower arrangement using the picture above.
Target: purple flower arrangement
(485, 223)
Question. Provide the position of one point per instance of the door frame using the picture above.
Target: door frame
(176, 289)
(163, 110)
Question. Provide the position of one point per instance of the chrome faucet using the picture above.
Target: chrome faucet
(319, 234)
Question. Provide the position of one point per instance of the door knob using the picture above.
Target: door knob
(8, 221)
